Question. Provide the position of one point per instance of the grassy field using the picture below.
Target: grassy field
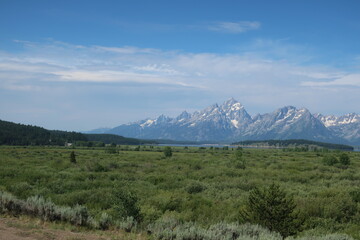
(206, 186)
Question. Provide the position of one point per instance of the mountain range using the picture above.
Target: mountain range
(231, 122)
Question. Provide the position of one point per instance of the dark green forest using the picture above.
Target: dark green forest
(296, 143)
(20, 134)
(110, 138)
(26, 135)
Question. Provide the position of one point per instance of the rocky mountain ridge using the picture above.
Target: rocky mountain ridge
(231, 122)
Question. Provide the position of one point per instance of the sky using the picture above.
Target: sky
(79, 65)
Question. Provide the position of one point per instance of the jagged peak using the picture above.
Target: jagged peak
(318, 115)
(211, 108)
(230, 101)
(232, 105)
(287, 108)
(183, 115)
(230, 119)
(352, 115)
(163, 118)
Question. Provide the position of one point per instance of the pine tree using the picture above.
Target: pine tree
(167, 152)
(240, 161)
(72, 157)
(344, 159)
(271, 208)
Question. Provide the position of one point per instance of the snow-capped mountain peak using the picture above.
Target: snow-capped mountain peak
(148, 122)
(231, 105)
(231, 122)
(183, 116)
(162, 119)
(331, 120)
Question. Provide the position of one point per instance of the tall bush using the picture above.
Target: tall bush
(344, 159)
(125, 204)
(330, 160)
(167, 152)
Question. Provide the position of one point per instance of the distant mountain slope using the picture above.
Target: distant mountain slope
(346, 127)
(231, 122)
(97, 131)
(288, 123)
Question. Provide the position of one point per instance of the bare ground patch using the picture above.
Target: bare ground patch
(32, 229)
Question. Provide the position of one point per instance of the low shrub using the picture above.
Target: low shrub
(105, 221)
(45, 209)
(127, 224)
(195, 187)
(79, 215)
(326, 237)
(169, 228)
(10, 204)
(37, 206)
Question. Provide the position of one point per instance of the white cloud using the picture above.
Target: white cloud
(235, 27)
(58, 61)
(126, 50)
(320, 75)
(109, 76)
(131, 71)
(350, 80)
(159, 68)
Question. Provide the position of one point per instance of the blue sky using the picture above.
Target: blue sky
(80, 65)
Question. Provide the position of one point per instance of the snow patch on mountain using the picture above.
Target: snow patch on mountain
(235, 123)
(331, 120)
(149, 122)
(231, 122)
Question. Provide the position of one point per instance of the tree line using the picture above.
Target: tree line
(27, 135)
(296, 143)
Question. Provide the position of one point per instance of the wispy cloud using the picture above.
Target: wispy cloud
(350, 80)
(105, 76)
(126, 50)
(234, 27)
(55, 61)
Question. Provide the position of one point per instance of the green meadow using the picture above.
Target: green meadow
(204, 186)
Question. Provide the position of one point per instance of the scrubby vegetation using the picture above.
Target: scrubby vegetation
(197, 193)
(37, 206)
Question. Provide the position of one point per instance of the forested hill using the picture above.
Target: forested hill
(111, 138)
(20, 134)
(296, 143)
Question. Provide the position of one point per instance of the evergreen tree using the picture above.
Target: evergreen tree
(167, 152)
(72, 157)
(271, 208)
(344, 159)
(240, 161)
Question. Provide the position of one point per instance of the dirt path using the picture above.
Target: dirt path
(30, 229)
